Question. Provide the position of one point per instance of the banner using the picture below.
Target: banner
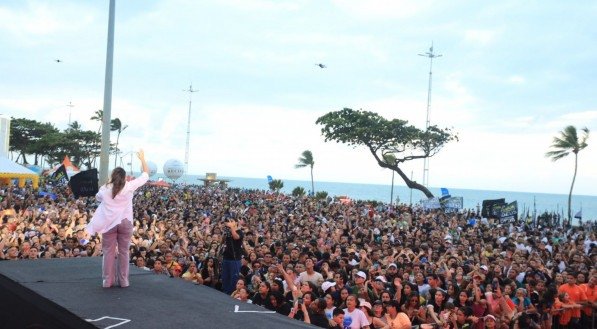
(59, 176)
(84, 183)
(508, 212)
(488, 206)
(431, 203)
(453, 204)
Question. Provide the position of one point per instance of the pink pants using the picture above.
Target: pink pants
(116, 269)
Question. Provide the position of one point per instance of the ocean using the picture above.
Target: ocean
(542, 202)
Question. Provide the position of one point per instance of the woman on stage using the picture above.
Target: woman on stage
(114, 220)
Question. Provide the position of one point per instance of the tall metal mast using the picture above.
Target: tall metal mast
(431, 56)
(105, 150)
(186, 153)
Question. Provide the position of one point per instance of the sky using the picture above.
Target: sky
(511, 76)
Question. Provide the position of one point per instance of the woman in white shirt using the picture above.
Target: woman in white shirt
(114, 220)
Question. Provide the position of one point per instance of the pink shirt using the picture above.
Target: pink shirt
(112, 211)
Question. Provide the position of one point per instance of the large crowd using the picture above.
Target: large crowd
(335, 264)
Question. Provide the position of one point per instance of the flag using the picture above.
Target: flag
(578, 214)
(445, 192)
(59, 175)
(84, 183)
(491, 208)
(269, 179)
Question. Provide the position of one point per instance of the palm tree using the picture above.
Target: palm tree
(98, 116)
(563, 144)
(116, 125)
(321, 195)
(298, 191)
(305, 160)
(276, 185)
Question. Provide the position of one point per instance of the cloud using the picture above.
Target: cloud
(263, 5)
(481, 37)
(516, 79)
(579, 119)
(38, 23)
(382, 9)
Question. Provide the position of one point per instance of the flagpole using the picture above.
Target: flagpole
(534, 212)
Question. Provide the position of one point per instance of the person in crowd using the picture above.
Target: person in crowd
(310, 275)
(590, 290)
(279, 304)
(140, 263)
(329, 306)
(337, 319)
(316, 313)
(240, 284)
(354, 318)
(243, 296)
(210, 273)
(232, 254)
(192, 274)
(395, 319)
(158, 268)
(575, 295)
(568, 311)
(261, 297)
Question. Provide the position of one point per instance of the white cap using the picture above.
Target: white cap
(365, 303)
(381, 278)
(327, 285)
(362, 274)
(484, 267)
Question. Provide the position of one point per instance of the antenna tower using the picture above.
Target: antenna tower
(186, 153)
(431, 56)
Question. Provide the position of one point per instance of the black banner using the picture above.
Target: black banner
(84, 183)
(59, 176)
(489, 205)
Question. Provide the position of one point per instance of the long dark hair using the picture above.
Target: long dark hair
(118, 179)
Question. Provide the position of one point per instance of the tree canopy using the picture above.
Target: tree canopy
(43, 140)
(384, 137)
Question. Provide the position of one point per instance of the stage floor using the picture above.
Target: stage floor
(151, 301)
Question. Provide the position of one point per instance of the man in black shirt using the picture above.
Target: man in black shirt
(232, 254)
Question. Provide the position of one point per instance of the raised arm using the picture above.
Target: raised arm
(141, 156)
(287, 278)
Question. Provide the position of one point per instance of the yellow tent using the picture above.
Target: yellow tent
(10, 170)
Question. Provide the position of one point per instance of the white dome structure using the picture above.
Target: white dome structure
(173, 169)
